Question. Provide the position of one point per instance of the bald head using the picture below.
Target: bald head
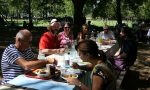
(24, 35)
(23, 39)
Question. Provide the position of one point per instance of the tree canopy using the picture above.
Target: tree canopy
(129, 9)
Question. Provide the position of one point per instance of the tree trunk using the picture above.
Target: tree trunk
(118, 12)
(79, 18)
(30, 16)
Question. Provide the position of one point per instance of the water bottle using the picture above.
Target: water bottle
(67, 59)
(92, 36)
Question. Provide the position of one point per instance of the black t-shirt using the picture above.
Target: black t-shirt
(129, 46)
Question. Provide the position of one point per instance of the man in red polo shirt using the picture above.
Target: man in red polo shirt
(49, 43)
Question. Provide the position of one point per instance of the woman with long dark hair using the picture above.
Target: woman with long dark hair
(102, 77)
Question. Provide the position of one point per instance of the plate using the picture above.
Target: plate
(72, 70)
(65, 76)
(83, 63)
(33, 74)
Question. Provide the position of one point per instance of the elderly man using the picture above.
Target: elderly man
(106, 36)
(18, 57)
(49, 43)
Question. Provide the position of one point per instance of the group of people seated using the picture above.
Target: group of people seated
(18, 58)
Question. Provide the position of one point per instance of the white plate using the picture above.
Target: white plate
(83, 63)
(65, 76)
(71, 70)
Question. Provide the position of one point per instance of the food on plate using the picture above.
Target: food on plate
(41, 72)
(69, 75)
(37, 71)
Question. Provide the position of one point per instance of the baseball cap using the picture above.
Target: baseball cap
(53, 20)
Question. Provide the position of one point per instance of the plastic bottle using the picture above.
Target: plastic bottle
(67, 60)
(92, 36)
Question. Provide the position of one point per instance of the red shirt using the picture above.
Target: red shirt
(49, 41)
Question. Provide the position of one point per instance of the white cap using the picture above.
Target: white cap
(53, 20)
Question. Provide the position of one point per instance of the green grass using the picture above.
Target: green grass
(36, 23)
(97, 22)
(101, 23)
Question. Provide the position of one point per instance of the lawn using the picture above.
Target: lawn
(101, 23)
(96, 22)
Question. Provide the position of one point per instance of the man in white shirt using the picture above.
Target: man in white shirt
(107, 34)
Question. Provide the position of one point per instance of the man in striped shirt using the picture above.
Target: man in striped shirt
(18, 57)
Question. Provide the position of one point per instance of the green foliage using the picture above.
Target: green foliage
(68, 8)
(130, 9)
(3, 7)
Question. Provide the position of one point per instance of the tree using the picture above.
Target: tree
(79, 17)
(118, 11)
(30, 15)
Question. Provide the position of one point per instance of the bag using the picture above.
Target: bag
(118, 63)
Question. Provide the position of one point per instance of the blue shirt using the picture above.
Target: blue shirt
(10, 69)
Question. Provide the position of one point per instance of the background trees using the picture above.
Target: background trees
(106, 9)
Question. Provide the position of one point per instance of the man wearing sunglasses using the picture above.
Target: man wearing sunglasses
(107, 35)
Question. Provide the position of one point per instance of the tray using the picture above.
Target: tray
(33, 75)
